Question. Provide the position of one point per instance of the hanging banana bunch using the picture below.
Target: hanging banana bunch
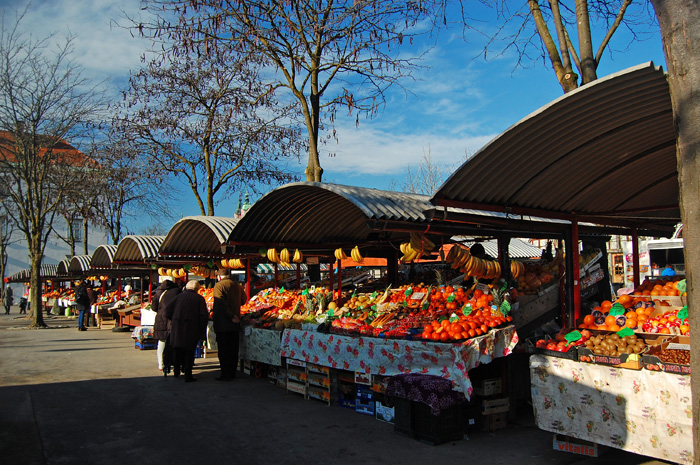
(340, 254)
(272, 255)
(298, 257)
(356, 255)
(517, 269)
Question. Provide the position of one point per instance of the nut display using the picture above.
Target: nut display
(677, 356)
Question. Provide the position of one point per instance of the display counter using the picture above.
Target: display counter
(380, 356)
(640, 411)
(260, 345)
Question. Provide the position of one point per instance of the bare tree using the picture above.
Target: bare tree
(428, 177)
(7, 237)
(560, 32)
(208, 120)
(327, 55)
(44, 101)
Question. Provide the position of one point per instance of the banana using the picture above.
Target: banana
(298, 257)
(356, 255)
(409, 256)
(450, 258)
(284, 255)
(224, 263)
(403, 247)
(498, 270)
(340, 254)
(464, 257)
(457, 258)
(421, 243)
(272, 255)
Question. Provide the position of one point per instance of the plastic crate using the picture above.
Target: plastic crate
(146, 344)
(365, 407)
(440, 429)
(402, 417)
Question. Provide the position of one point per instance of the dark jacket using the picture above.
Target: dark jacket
(164, 296)
(92, 295)
(189, 316)
(228, 298)
(82, 301)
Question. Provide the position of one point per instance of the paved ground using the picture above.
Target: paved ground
(90, 397)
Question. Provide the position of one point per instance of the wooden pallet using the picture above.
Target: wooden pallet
(107, 323)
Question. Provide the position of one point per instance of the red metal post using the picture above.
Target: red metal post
(576, 272)
(340, 278)
(248, 286)
(635, 258)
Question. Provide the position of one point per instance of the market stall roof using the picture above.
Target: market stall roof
(79, 264)
(62, 268)
(324, 214)
(103, 256)
(48, 271)
(198, 236)
(517, 248)
(605, 152)
(137, 249)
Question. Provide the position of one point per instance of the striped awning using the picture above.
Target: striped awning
(47, 271)
(79, 264)
(197, 236)
(103, 256)
(138, 249)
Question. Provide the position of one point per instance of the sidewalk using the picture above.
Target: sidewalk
(90, 397)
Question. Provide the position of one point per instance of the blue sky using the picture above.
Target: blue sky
(457, 106)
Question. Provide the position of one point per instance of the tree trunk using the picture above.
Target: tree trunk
(36, 313)
(680, 31)
(585, 43)
(313, 171)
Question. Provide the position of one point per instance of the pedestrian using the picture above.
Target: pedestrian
(23, 305)
(82, 302)
(189, 317)
(226, 315)
(165, 294)
(7, 299)
(92, 296)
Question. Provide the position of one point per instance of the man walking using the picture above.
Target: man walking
(7, 299)
(228, 298)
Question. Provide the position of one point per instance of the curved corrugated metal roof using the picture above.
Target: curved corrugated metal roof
(79, 263)
(606, 149)
(198, 235)
(321, 213)
(517, 248)
(138, 249)
(103, 256)
(48, 271)
(62, 268)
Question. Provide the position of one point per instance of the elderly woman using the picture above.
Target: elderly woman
(189, 319)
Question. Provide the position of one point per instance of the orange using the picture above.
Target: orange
(631, 323)
(624, 300)
(610, 320)
(642, 318)
(657, 287)
(665, 331)
(655, 292)
(602, 327)
(614, 327)
(588, 319)
(605, 305)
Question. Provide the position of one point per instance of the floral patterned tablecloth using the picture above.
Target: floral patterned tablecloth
(644, 412)
(260, 345)
(379, 356)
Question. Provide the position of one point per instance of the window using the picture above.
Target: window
(76, 227)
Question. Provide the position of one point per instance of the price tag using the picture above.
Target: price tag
(451, 297)
(625, 332)
(374, 295)
(681, 286)
(425, 305)
(305, 291)
(683, 313)
(617, 310)
(330, 313)
(312, 289)
(281, 290)
(408, 292)
(417, 295)
(454, 318)
(467, 310)
(572, 337)
(505, 308)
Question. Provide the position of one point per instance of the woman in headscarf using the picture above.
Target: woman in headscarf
(189, 316)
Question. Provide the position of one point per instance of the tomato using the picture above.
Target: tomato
(484, 329)
(444, 336)
(434, 336)
(428, 329)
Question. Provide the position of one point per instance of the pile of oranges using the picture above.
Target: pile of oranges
(657, 287)
(637, 312)
(475, 324)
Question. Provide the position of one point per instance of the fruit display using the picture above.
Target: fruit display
(418, 247)
(613, 345)
(435, 313)
(660, 287)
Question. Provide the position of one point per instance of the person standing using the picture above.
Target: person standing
(82, 303)
(92, 296)
(226, 315)
(8, 299)
(189, 317)
(164, 296)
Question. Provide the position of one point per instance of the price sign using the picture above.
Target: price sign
(408, 292)
(505, 308)
(454, 318)
(330, 313)
(625, 332)
(374, 295)
(451, 297)
(417, 295)
(305, 291)
(572, 337)
(617, 310)
(281, 290)
(683, 313)
(681, 286)
(467, 310)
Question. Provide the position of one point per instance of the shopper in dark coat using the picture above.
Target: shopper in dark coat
(189, 317)
(163, 298)
(92, 295)
(82, 303)
(226, 316)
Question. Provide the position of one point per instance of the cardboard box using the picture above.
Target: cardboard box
(628, 361)
(491, 406)
(494, 421)
(652, 362)
(577, 446)
(363, 378)
(384, 413)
